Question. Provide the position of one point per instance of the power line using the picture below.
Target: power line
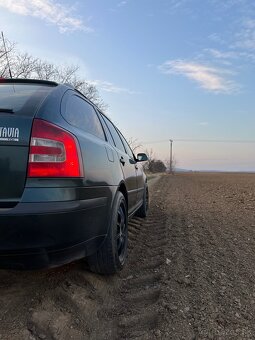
(231, 141)
(216, 140)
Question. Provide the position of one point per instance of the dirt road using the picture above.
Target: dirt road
(190, 274)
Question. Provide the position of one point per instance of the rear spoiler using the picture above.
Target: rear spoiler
(27, 81)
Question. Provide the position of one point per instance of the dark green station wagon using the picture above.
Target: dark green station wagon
(69, 181)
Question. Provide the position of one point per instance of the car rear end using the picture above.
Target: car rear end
(46, 216)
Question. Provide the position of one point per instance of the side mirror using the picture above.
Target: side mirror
(142, 157)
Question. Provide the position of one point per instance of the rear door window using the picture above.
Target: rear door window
(117, 141)
(127, 147)
(79, 113)
(22, 99)
(106, 129)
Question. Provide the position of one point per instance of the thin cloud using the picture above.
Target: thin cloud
(177, 3)
(245, 39)
(210, 78)
(203, 124)
(216, 38)
(122, 3)
(222, 54)
(110, 87)
(227, 56)
(48, 11)
(243, 7)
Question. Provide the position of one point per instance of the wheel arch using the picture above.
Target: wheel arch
(122, 188)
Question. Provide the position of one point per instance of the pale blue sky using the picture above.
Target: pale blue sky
(167, 68)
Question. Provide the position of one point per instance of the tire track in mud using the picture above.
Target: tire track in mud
(54, 304)
(137, 309)
(72, 311)
(70, 302)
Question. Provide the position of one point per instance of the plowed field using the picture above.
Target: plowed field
(190, 273)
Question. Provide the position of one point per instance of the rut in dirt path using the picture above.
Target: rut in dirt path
(137, 311)
(70, 302)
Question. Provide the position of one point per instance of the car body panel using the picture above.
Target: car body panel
(45, 222)
(129, 174)
(141, 180)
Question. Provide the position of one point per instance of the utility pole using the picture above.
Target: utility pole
(171, 157)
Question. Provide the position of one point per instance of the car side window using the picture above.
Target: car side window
(127, 147)
(115, 135)
(106, 129)
(82, 115)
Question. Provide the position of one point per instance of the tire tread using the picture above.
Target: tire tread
(104, 261)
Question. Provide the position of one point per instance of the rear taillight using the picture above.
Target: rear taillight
(53, 152)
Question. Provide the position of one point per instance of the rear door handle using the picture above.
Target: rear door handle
(122, 160)
(136, 166)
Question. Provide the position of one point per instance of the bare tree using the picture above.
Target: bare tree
(6, 54)
(134, 144)
(154, 164)
(24, 65)
(151, 157)
(157, 166)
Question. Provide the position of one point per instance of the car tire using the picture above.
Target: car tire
(143, 210)
(111, 256)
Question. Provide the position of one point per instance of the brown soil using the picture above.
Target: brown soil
(190, 273)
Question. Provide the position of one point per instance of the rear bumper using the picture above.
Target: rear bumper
(40, 235)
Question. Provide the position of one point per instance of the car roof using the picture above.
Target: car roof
(51, 83)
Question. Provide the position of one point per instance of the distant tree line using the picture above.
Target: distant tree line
(153, 164)
(24, 65)
(156, 165)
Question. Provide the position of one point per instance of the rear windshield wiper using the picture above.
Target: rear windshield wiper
(6, 110)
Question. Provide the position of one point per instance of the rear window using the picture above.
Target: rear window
(82, 115)
(22, 99)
